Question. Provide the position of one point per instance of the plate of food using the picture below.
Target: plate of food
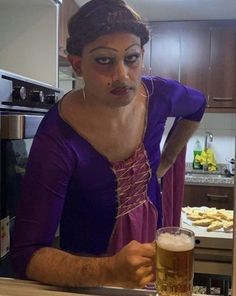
(212, 219)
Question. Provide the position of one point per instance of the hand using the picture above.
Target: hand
(133, 266)
(164, 166)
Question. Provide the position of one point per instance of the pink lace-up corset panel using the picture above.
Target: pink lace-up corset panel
(136, 216)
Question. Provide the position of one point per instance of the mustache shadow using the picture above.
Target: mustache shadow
(119, 85)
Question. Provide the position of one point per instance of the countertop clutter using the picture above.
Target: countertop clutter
(13, 287)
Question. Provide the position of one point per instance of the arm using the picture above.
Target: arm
(132, 267)
(188, 105)
(175, 143)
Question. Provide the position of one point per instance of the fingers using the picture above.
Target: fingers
(134, 264)
(144, 271)
(146, 280)
(141, 254)
(145, 276)
(137, 261)
(146, 249)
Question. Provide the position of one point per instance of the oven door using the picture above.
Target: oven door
(17, 132)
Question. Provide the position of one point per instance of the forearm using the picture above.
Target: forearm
(56, 267)
(131, 267)
(175, 143)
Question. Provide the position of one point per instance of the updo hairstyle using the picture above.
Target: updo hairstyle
(100, 17)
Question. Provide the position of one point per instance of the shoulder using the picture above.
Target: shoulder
(54, 128)
(50, 120)
(177, 99)
(169, 88)
(160, 81)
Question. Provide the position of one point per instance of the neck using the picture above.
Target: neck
(107, 112)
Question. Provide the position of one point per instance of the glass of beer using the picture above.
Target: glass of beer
(174, 261)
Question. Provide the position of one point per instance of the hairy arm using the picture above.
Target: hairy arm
(132, 267)
(177, 140)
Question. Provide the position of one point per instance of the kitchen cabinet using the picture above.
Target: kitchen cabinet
(201, 54)
(29, 39)
(209, 196)
(67, 9)
(165, 50)
(222, 76)
(194, 65)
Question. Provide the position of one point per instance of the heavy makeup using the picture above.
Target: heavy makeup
(111, 67)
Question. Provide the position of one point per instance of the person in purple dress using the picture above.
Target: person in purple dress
(95, 159)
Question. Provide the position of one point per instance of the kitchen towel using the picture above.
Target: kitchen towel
(173, 189)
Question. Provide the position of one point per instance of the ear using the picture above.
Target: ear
(143, 51)
(75, 63)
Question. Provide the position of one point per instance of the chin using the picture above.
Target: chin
(122, 102)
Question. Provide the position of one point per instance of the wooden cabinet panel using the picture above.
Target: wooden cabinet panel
(222, 92)
(210, 196)
(201, 54)
(67, 9)
(195, 55)
(165, 50)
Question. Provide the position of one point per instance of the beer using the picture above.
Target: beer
(174, 266)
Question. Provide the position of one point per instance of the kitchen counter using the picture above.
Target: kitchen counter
(13, 287)
(208, 179)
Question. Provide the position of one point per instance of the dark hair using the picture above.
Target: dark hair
(100, 17)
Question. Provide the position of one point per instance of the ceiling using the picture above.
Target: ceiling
(160, 10)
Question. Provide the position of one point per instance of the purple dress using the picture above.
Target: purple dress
(100, 206)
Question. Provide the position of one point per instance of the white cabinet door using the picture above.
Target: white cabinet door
(29, 38)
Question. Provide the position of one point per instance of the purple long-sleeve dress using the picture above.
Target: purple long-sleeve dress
(100, 205)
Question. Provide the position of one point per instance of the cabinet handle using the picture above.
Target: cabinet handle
(214, 197)
(222, 99)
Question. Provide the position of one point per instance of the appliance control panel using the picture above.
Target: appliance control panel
(21, 93)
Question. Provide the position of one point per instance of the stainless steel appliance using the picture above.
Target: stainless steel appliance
(23, 103)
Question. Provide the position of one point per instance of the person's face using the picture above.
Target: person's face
(111, 67)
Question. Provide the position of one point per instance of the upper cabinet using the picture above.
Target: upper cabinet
(201, 54)
(222, 76)
(29, 39)
(67, 9)
(165, 50)
(194, 60)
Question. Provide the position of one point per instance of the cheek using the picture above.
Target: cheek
(96, 81)
(135, 72)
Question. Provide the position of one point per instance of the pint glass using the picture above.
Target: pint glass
(174, 261)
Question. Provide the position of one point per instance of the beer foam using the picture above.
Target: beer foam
(176, 243)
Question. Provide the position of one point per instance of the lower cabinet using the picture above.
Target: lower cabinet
(209, 196)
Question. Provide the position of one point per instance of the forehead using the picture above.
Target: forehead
(118, 41)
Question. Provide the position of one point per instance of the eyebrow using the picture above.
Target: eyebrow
(106, 47)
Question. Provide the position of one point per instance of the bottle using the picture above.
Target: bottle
(231, 166)
(197, 151)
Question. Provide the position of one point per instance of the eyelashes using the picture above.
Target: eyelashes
(129, 59)
(104, 60)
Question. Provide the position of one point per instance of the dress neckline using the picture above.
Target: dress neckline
(86, 140)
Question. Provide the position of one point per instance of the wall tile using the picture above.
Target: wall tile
(218, 121)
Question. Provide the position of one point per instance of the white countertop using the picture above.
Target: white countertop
(13, 287)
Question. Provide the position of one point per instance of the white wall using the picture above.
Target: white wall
(222, 126)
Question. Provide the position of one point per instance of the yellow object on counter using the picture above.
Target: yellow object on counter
(207, 158)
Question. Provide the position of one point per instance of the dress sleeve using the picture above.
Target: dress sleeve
(185, 102)
(40, 208)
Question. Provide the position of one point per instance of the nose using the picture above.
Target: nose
(120, 73)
